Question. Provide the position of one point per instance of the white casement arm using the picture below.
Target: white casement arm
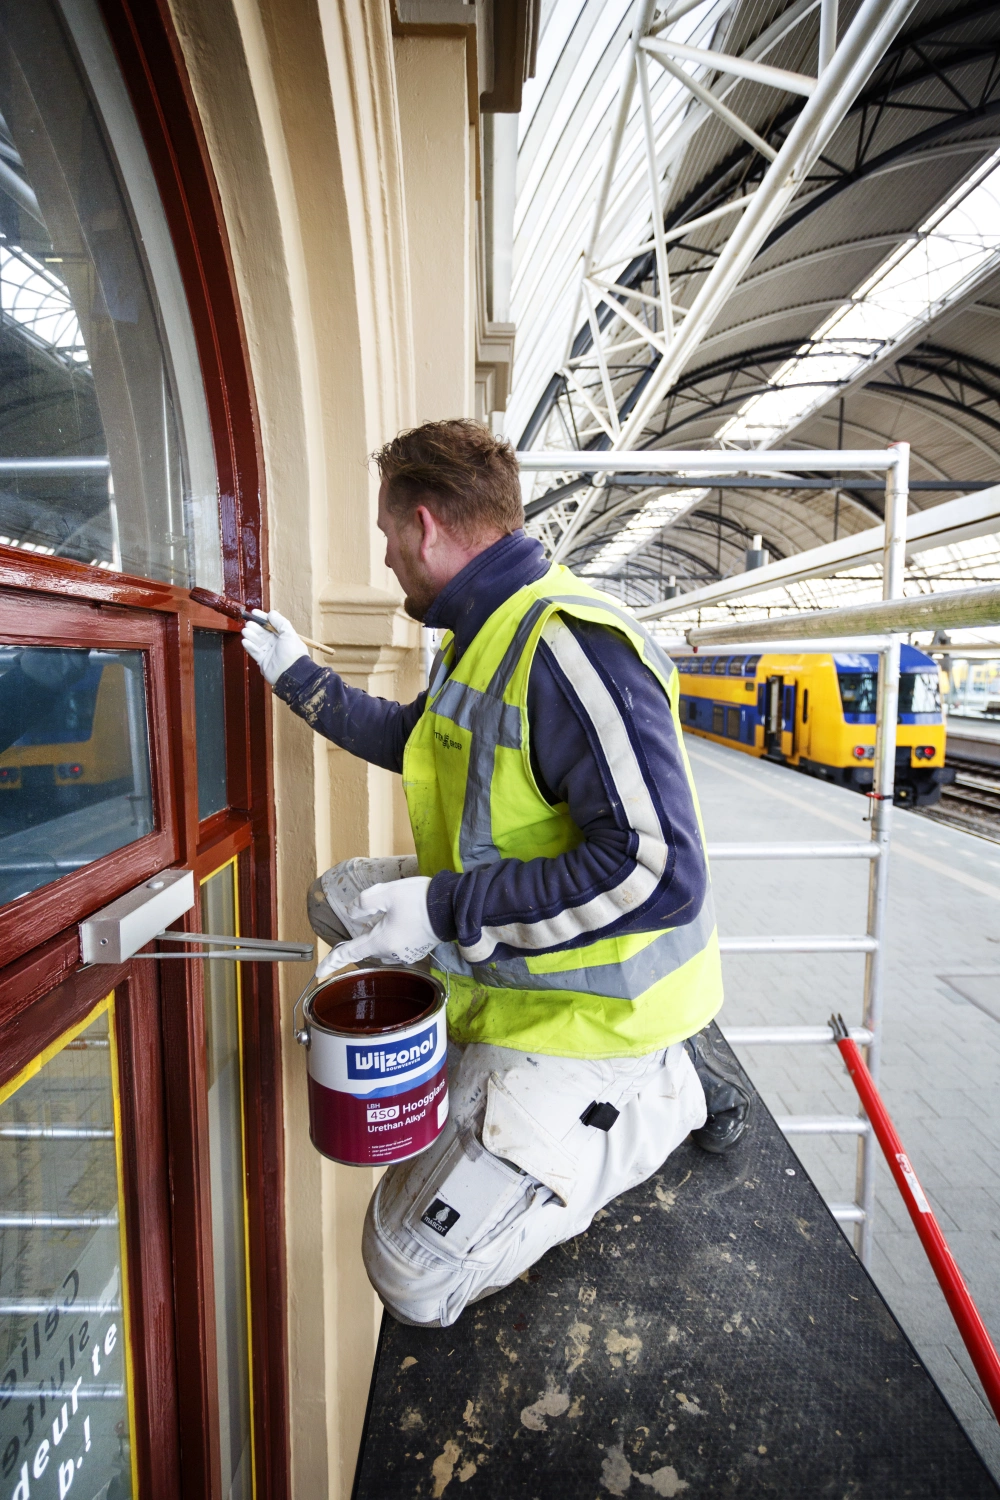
(724, 62)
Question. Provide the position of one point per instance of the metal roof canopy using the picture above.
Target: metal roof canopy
(675, 173)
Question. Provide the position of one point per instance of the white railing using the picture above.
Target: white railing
(895, 462)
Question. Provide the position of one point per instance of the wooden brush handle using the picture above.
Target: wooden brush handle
(224, 605)
(317, 645)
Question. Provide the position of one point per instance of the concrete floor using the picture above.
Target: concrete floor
(941, 1048)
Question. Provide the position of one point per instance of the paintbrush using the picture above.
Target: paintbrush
(224, 605)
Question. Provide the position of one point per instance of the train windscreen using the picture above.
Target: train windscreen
(919, 693)
(858, 691)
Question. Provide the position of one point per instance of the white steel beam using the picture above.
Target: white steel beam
(724, 62)
(642, 15)
(708, 461)
(938, 526)
(827, 33)
(958, 609)
(725, 114)
(653, 177)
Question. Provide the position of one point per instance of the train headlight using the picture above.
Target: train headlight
(70, 770)
(10, 775)
(863, 752)
(924, 752)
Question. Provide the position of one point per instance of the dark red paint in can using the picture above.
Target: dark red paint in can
(378, 1080)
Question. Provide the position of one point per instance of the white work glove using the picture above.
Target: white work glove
(399, 929)
(275, 650)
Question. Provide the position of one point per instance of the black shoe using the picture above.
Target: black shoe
(728, 1102)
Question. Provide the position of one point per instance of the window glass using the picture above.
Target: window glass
(223, 1034)
(210, 722)
(919, 693)
(105, 445)
(858, 691)
(719, 666)
(74, 761)
(736, 666)
(65, 1421)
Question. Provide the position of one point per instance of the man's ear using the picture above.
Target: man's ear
(429, 531)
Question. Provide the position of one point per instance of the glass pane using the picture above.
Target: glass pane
(858, 691)
(105, 445)
(225, 1144)
(919, 693)
(74, 761)
(64, 1407)
(210, 722)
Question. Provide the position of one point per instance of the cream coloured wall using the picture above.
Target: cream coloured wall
(299, 106)
(346, 167)
(438, 147)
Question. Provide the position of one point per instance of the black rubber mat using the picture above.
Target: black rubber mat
(711, 1335)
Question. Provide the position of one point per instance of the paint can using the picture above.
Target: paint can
(378, 1051)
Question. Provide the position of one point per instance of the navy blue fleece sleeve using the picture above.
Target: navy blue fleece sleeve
(373, 728)
(602, 741)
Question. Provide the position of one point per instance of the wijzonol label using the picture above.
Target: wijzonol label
(374, 1061)
(379, 1065)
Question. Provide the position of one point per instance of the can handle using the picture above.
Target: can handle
(301, 1034)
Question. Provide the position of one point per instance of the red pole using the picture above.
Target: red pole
(963, 1309)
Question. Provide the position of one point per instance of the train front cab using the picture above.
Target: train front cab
(816, 711)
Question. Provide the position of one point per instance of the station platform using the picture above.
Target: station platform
(712, 1334)
(977, 739)
(941, 1036)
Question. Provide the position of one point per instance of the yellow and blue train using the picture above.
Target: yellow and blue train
(816, 711)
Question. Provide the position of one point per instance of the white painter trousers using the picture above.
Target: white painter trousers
(515, 1171)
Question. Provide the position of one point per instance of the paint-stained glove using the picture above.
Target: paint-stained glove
(399, 929)
(273, 650)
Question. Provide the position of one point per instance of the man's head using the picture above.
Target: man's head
(449, 490)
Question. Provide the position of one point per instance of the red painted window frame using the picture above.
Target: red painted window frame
(161, 1027)
(42, 913)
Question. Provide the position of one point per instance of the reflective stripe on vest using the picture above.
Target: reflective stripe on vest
(473, 801)
(624, 979)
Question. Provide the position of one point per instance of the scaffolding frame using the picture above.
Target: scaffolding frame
(894, 462)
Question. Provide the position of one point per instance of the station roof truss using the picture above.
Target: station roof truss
(754, 237)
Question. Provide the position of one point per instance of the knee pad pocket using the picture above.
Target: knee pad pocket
(465, 1201)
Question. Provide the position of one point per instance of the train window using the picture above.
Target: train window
(719, 666)
(718, 718)
(103, 422)
(74, 761)
(64, 1369)
(919, 693)
(750, 666)
(805, 705)
(210, 723)
(736, 666)
(858, 691)
(733, 723)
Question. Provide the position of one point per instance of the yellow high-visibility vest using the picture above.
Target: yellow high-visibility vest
(473, 800)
